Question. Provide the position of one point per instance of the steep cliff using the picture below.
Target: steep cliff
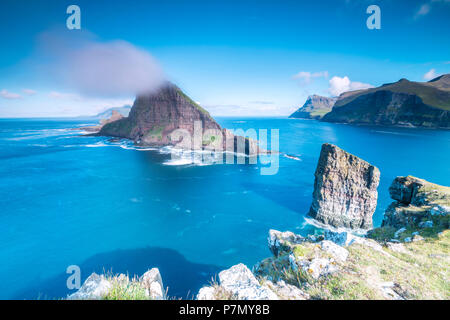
(315, 107)
(403, 103)
(156, 116)
(345, 189)
(417, 203)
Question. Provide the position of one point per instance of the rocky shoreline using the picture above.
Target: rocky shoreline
(406, 258)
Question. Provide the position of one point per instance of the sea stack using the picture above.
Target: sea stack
(345, 189)
(156, 115)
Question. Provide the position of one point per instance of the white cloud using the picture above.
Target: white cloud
(95, 68)
(340, 85)
(430, 75)
(29, 92)
(64, 95)
(423, 10)
(9, 95)
(307, 77)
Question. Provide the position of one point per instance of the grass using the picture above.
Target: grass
(419, 272)
(125, 289)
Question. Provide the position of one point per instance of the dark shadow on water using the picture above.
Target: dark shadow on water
(182, 277)
(292, 198)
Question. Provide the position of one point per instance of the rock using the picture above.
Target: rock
(398, 232)
(319, 267)
(396, 247)
(338, 252)
(345, 189)
(241, 282)
(387, 288)
(417, 238)
(440, 210)
(283, 241)
(316, 268)
(403, 103)
(286, 291)
(341, 238)
(115, 115)
(346, 239)
(426, 224)
(153, 284)
(416, 200)
(168, 117)
(94, 288)
(315, 107)
(206, 293)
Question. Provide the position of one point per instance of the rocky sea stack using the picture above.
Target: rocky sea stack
(315, 107)
(403, 103)
(155, 116)
(345, 189)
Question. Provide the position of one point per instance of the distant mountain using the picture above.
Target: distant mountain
(402, 103)
(315, 107)
(124, 111)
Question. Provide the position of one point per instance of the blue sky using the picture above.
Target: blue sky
(234, 57)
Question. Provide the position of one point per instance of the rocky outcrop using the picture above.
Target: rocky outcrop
(99, 287)
(95, 287)
(315, 107)
(115, 115)
(168, 117)
(403, 103)
(280, 242)
(345, 189)
(239, 283)
(417, 203)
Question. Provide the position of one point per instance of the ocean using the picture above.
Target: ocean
(107, 206)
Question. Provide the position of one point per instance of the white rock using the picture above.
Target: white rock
(286, 291)
(319, 267)
(94, 288)
(241, 282)
(206, 293)
(397, 247)
(338, 252)
(397, 233)
(387, 288)
(153, 284)
(346, 239)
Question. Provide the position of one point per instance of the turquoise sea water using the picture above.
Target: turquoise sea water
(105, 206)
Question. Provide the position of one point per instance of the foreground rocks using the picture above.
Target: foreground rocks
(120, 287)
(345, 189)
